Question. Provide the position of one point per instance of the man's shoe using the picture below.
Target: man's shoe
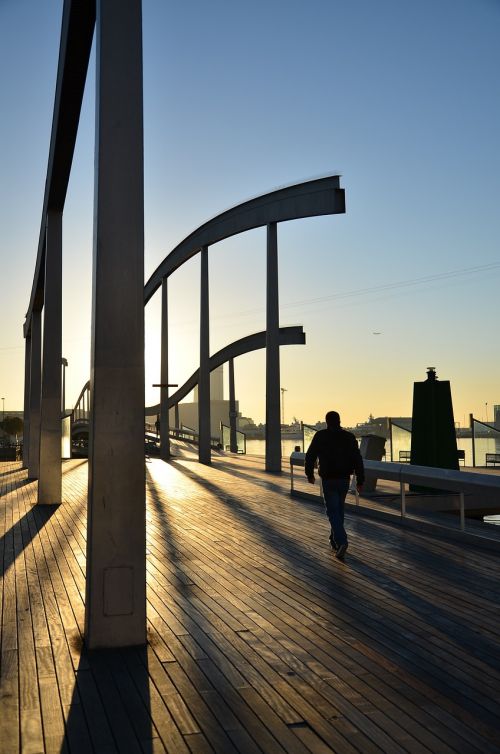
(333, 543)
(341, 550)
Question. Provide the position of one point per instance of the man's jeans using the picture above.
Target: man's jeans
(334, 495)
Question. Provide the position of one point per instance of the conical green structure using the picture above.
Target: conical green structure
(433, 436)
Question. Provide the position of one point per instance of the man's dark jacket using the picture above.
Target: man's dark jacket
(338, 455)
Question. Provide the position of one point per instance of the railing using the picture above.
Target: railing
(191, 435)
(225, 438)
(308, 433)
(460, 482)
(485, 440)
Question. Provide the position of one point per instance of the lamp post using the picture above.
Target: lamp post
(283, 391)
(486, 411)
(3, 409)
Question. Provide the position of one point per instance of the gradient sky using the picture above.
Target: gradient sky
(400, 98)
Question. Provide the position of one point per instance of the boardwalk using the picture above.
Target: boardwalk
(259, 641)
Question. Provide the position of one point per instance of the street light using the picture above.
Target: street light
(3, 409)
(486, 411)
(283, 391)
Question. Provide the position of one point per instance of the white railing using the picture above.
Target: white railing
(461, 482)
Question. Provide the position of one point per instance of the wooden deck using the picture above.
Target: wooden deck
(259, 640)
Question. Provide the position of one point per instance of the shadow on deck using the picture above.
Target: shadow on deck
(259, 640)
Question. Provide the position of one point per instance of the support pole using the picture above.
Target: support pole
(233, 444)
(50, 477)
(273, 428)
(473, 435)
(26, 411)
(115, 604)
(204, 450)
(176, 414)
(35, 391)
(164, 418)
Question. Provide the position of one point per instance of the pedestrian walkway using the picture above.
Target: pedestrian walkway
(258, 639)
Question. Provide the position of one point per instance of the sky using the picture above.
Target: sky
(399, 98)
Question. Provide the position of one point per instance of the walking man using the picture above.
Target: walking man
(338, 456)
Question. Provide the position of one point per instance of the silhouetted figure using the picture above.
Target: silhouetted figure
(338, 457)
(157, 425)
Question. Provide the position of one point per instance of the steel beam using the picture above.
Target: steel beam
(35, 392)
(204, 449)
(273, 426)
(164, 417)
(26, 411)
(233, 445)
(322, 196)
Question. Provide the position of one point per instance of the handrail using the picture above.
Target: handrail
(462, 482)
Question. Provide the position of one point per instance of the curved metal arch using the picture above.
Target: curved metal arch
(321, 196)
(288, 336)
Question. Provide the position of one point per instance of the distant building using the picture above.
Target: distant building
(219, 408)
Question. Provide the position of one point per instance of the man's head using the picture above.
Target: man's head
(332, 420)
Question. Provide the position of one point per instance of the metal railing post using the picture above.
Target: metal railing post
(462, 511)
(403, 499)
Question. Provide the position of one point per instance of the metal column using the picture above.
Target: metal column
(233, 444)
(115, 605)
(273, 426)
(26, 409)
(50, 474)
(35, 391)
(204, 450)
(164, 418)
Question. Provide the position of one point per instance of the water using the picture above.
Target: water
(483, 445)
(258, 447)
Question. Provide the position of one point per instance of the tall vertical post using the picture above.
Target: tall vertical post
(176, 414)
(473, 435)
(233, 445)
(64, 364)
(35, 391)
(26, 408)
(204, 450)
(50, 476)
(164, 418)
(115, 605)
(273, 427)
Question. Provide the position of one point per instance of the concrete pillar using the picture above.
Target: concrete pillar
(164, 418)
(115, 604)
(50, 475)
(273, 426)
(233, 445)
(204, 450)
(35, 391)
(26, 408)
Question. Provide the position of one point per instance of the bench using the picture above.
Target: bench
(492, 458)
(405, 456)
